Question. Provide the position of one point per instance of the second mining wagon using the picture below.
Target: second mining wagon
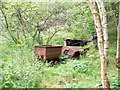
(48, 52)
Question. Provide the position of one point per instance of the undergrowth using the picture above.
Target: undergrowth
(18, 70)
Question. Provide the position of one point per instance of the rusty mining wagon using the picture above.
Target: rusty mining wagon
(75, 42)
(52, 52)
(73, 51)
(47, 52)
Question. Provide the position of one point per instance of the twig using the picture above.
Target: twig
(7, 26)
(51, 37)
(4, 17)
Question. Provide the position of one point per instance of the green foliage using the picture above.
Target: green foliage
(33, 20)
(20, 71)
(116, 84)
(84, 67)
(17, 66)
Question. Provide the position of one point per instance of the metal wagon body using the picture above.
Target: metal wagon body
(47, 52)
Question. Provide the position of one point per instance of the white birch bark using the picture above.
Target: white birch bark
(93, 7)
(102, 12)
(118, 38)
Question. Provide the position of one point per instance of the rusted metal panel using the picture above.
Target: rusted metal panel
(75, 42)
(72, 51)
(52, 53)
(47, 51)
(39, 52)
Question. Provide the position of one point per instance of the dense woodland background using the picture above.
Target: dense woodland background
(23, 24)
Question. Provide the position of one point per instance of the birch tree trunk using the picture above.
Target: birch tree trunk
(93, 7)
(102, 12)
(118, 38)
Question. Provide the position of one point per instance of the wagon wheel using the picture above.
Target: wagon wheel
(39, 57)
(66, 52)
(36, 58)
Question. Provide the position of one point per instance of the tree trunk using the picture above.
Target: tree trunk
(118, 38)
(102, 12)
(93, 7)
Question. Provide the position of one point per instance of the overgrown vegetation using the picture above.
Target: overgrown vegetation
(48, 23)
